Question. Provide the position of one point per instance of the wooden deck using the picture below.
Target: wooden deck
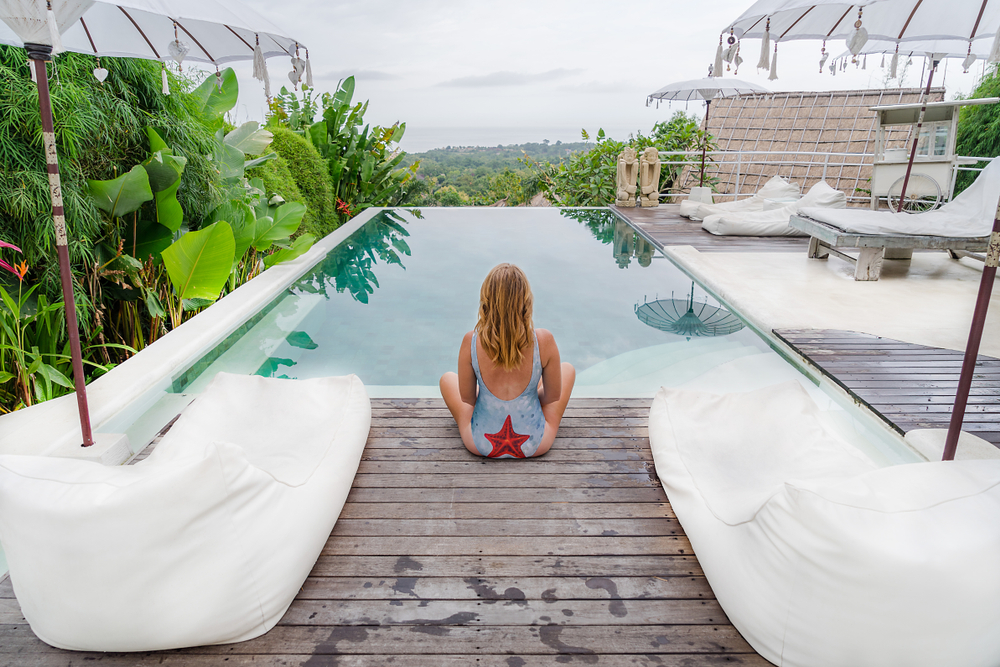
(910, 386)
(442, 559)
(665, 227)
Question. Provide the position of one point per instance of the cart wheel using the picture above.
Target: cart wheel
(928, 200)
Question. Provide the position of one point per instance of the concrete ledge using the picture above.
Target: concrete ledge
(48, 427)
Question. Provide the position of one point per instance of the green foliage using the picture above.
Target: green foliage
(588, 178)
(309, 171)
(199, 263)
(363, 162)
(979, 127)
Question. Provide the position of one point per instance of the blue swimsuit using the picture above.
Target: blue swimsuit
(511, 428)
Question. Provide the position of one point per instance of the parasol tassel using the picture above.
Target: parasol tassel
(883, 62)
(31, 68)
(717, 70)
(259, 64)
(892, 65)
(309, 70)
(765, 50)
(166, 82)
(774, 64)
(864, 63)
(54, 37)
(995, 50)
(267, 83)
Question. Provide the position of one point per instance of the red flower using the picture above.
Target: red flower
(344, 207)
(23, 267)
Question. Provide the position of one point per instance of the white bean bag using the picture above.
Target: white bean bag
(776, 188)
(969, 215)
(819, 558)
(207, 541)
(775, 221)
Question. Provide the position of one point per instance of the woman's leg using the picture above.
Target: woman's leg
(460, 410)
(554, 411)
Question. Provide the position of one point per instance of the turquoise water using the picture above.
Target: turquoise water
(392, 303)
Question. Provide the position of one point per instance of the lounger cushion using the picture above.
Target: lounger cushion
(819, 558)
(773, 222)
(969, 215)
(207, 541)
(776, 188)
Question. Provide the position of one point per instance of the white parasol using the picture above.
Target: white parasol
(707, 89)
(212, 31)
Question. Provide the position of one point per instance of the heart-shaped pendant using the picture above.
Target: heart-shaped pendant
(857, 40)
(178, 50)
(298, 67)
(100, 74)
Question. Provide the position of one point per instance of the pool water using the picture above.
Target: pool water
(392, 303)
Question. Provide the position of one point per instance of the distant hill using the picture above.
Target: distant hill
(464, 174)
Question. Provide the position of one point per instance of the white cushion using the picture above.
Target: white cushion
(775, 188)
(819, 558)
(207, 541)
(969, 215)
(773, 222)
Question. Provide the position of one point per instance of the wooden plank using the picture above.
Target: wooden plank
(506, 495)
(677, 545)
(465, 639)
(563, 441)
(187, 658)
(479, 613)
(522, 510)
(454, 450)
(478, 464)
(507, 480)
(506, 589)
(636, 565)
(507, 526)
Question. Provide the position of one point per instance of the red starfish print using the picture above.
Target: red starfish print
(506, 441)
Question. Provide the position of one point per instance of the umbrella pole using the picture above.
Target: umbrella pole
(39, 54)
(708, 104)
(972, 349)
(913, 150)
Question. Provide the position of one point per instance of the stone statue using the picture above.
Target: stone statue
(628, 172)
(643, 251)
(649, 178)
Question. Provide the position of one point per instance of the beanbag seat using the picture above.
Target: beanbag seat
(817, 556)
(774, 222)
(776, 188)
(207, 541)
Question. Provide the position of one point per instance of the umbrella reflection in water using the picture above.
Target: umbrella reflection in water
(687, 317)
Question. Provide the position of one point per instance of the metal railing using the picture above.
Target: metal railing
(742, 173)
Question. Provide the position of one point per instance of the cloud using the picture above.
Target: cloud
(363, 74)
(602, 87)
(508, 78)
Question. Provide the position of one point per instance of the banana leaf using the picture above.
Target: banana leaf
(199, 263)
(286, 220)
(299, 247)
(123, 195)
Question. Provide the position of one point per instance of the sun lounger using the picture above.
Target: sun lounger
(819, 557)
(207, 541)
(962, 226)
(776, 188)
(773, 222)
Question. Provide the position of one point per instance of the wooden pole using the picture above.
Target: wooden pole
(39, 54)
(975, 336)
(920, 123)
(708, 105)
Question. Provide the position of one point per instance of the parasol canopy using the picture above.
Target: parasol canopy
(214, 31)
(687, 317)
(704, 90)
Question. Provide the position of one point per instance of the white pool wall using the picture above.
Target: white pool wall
(128, 390)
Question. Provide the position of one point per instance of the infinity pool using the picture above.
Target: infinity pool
(392, 303)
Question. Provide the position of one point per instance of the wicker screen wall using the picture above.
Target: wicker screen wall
(823, 122)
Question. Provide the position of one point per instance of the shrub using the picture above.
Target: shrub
(979, 127)
(278, 180)
(309, 171)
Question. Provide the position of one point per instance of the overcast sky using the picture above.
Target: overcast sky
(454, 69)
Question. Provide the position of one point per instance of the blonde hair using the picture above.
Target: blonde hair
(505, 327)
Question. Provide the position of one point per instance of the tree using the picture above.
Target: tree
(979, 127)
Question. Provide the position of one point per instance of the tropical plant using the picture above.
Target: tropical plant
(979, 127)
(363, 161)
(309, 171)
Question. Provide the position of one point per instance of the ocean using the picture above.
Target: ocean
(421, 139)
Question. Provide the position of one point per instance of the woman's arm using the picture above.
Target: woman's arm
(551, 367)
(466, 375)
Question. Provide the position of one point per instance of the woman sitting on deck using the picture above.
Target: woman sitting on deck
(511, 390)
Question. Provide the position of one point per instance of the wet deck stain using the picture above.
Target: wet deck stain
(617, 607)
(404, 563)
(490, 594)
(549, 635)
